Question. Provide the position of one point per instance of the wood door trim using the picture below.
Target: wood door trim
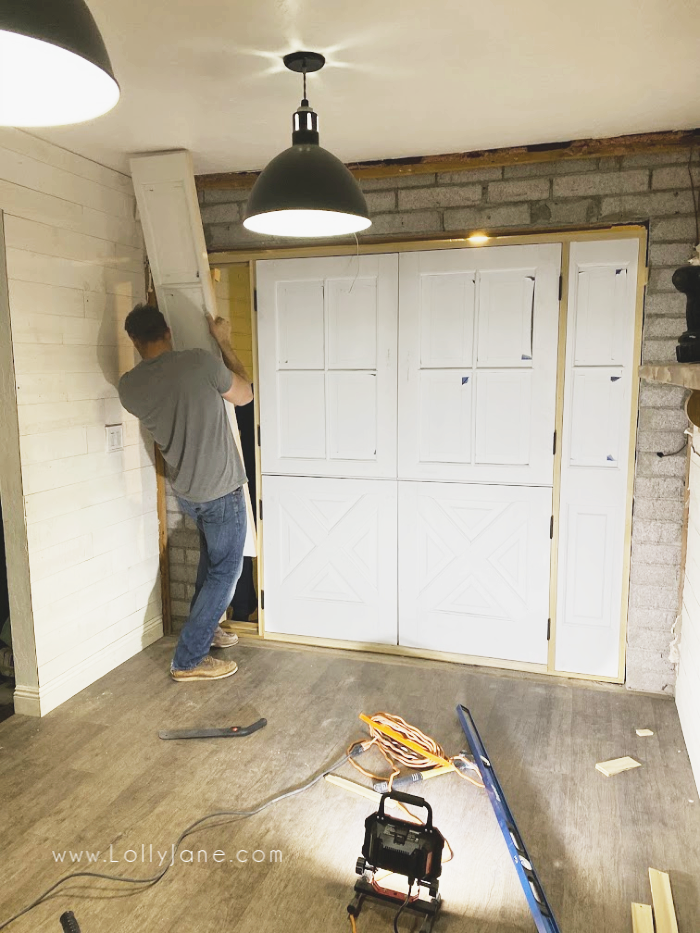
(164, 557)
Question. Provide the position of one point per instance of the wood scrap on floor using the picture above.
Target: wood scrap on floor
(617, 765)
(643, 732)
(358, 789)
(662, 899)
(642, 918)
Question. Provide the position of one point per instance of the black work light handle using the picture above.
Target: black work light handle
(410, 799)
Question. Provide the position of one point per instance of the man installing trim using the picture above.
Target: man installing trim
(178, 396)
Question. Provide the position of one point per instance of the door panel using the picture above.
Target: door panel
(474, 569)
(601, 320)
(596, 424)
(478, 328)
(330, 558)
(503, 418)
(506, 318)
(302, 414)
(352, 324)
(351, 410)
(447, 320)
(446, 391)
(298, 319)
(595, 457)
(327, 331)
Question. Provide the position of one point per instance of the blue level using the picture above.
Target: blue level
(534, 892)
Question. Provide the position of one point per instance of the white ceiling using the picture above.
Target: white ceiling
(405, 77)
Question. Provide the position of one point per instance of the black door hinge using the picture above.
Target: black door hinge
(554, 443)
(551, 527)
(255, 300)
(549, 629)
(258, 435)
(260, 509)
(262, 599)
(561, 286)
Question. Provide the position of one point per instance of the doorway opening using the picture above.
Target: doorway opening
(479, 334)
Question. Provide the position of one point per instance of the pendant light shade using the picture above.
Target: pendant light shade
(306, 191)
(54, 67)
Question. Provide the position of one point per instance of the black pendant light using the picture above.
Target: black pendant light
(54, 67)
(306, 191)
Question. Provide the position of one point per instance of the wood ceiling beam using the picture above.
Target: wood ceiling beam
(464, 161)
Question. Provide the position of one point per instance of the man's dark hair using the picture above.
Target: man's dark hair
(145, 324)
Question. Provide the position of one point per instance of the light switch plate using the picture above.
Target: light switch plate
(115, 437)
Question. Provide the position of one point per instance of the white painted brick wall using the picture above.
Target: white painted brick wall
(651, 188)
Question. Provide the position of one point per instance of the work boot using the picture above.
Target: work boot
(208, 669)
(224, 639)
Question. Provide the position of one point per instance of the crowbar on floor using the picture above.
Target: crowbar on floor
(227, 732)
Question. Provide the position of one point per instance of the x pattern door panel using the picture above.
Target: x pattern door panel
(474, 569)
(330, 558)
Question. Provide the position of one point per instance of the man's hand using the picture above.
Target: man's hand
(220, 329)
(240, 392)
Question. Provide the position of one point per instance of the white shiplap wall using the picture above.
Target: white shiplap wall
(75, 268)
(688, 683)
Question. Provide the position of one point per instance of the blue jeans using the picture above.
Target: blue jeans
(222, 529)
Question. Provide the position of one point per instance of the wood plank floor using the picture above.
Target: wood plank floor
(93, 774)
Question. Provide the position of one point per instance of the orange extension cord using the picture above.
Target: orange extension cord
(390, 734)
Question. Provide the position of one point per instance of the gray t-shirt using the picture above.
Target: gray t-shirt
(177, 397)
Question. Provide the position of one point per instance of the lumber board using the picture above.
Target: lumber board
(642, 918)
(358, 789)
(662, 899)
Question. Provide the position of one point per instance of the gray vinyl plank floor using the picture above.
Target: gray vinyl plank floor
(93, 776)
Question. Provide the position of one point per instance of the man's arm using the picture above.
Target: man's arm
(240, 392)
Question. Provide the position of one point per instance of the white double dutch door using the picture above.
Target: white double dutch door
(408, 407)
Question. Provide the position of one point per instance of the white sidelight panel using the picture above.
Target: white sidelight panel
(478, 364)
(330, 558)
(474, 569)
(600, 367)
(327, 350)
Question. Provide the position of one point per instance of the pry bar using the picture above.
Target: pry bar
(228, 732)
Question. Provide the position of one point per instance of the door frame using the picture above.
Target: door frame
(393, 245)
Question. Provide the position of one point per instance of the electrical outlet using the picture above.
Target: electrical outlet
(115, 437)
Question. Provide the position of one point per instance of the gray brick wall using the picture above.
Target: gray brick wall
(183, 552)
(648, 188)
